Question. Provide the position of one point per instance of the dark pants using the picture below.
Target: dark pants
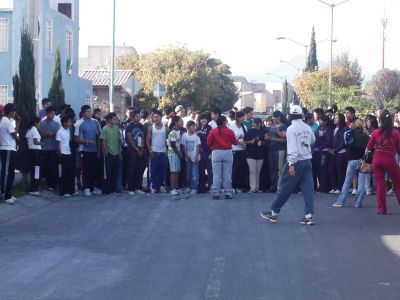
(89, 167)
(205, 164)
(7, 172)
(322, 170)
(112, 163)
(157, 169)
(135, 170)
(99, 175)
(67, 183)
(287, 183)
(50, 167)
(124, 171)
(182, 182)
(337, 170)
(264, 175)
(238, 169)
(35, 156)
(314, 163)
(276, 160)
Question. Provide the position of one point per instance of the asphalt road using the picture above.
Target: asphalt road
(158, 247)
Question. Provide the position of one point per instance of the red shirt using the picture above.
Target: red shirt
(221, 139)
(385, 145)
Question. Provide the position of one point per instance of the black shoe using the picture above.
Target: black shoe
(215, 197)
(268, 216)
(307, 221)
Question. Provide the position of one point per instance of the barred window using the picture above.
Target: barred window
(3, 35)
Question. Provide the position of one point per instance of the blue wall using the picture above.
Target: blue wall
(6, 57)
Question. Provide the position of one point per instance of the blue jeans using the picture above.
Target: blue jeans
(192, 175)
(303, 178)
(350, 173)
(157, 169)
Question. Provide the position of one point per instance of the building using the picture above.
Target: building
(99, 57)
(253, 95)
(53, 24)
(125, 88)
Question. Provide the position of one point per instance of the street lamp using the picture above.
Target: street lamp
(111, 91)
(290, 64)
(332, 6)
(296, 42)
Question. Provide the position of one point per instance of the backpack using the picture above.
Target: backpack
(348, 137)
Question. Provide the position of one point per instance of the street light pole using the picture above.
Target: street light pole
(111, 91)
(298, 43)
(291, 65)
(332, 6)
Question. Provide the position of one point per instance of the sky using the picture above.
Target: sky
(243, 33)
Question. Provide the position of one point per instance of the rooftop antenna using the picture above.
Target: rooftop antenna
(384, 37)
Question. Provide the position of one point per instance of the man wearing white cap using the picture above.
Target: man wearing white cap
(297, 170)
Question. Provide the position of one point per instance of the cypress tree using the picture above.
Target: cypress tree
(312, 61)
(56, 92)
(24, 95)
(285, 97)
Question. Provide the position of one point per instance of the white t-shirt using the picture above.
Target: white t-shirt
(191, 142)
(213, 124)
(238, 132)
(63, 136)
(32, 134)
(7, 142)
(76, 125)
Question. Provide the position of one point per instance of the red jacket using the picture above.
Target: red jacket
(385, 146)
(221, 139)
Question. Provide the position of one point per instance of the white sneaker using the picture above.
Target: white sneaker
(174, 192)
(131, 193)
(368, 192)
(153, 191)
(37, 194)
(187, 190)
(87, 192)
(163, 189)
(140, 192)
(9, 201)
(337, 192)
(75, 194)
(331, 191)
(354, 192)
(238, 191)
(390, 192)
(97, 191)
(67, 195)
(193, 192)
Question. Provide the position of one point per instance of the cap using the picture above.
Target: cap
(179, 108)
(296, 110)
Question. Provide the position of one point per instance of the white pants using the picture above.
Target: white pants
(255, 169)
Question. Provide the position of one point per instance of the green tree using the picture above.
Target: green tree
(285, 97)
(24, 95)
(56, 92)
(384, 87)
(312, 61)
(191, 78)
(352, 68)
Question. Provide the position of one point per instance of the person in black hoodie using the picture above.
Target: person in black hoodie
(337, 162)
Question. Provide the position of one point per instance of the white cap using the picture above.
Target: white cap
(296, 110)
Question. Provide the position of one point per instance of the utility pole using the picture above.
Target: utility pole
(111, 91)
(384, 26)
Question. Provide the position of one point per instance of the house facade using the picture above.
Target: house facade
(53, 24)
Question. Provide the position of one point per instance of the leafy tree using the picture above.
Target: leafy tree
(56, 92)
(312, 61)
(285, 97)
(238, 78)
(352, 68)
(191, 78)
(24, 95)
(384, 86)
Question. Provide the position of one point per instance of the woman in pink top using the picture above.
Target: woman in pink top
(385, 141)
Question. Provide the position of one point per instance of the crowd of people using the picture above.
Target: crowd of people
(187, 151)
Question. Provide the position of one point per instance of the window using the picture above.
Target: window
(3, 35)
(49, 36)
(69, 53)
(65, 9)
(3, 94)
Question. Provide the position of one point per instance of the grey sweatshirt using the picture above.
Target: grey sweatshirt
(299, 140)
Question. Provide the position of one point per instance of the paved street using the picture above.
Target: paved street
(157, 247)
